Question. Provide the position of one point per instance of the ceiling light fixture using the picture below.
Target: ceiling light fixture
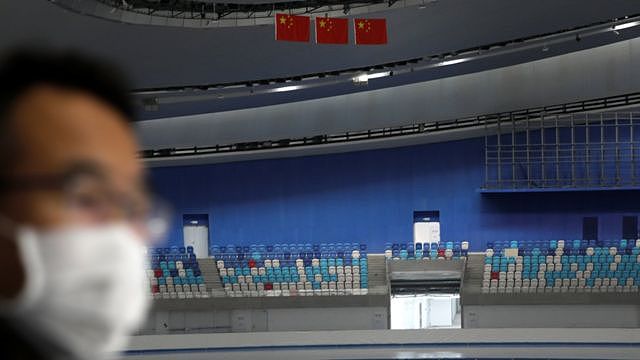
(452, 62)
(378, 75)
(363, 79)
(287, 88)
(625, 25)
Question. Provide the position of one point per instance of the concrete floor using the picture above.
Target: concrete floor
(622, 344)
(406, 353)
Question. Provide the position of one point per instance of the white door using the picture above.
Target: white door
(426, 232)
(197, 236)
(441, 312)
(406, 311)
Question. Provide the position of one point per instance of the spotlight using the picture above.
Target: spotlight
(545, 48)
(452, 62)
(287, 88)
(363, 79)
(626, 25)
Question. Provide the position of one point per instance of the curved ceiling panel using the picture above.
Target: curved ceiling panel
(159, 103)
(156, 56)
(212, 14)
(588, 74)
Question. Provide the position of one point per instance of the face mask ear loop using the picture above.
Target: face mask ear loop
(30, 259)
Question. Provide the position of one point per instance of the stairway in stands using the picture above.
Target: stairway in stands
(377, 273)
(473, 273)
(211, 277)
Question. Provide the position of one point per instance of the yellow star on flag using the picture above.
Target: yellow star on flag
(283, 20)
(361, 25)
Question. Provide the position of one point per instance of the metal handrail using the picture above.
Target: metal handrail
(488, 122)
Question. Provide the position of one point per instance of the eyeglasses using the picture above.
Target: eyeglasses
(90, 198)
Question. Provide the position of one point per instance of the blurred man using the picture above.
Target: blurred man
(72, 210)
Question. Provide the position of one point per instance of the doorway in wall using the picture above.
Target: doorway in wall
(195, 231)
(425, 311)
(629, 227)
(424, 297)
(590, 228)
(426, 227)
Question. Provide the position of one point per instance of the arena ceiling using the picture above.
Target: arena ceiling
(198, 14)
(187, 60)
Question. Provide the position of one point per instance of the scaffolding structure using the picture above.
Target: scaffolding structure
(582, 151)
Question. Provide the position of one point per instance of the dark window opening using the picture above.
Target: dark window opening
(590, 228)
(629, 227)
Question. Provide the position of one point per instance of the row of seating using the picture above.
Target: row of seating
(557, 289)
(268, 274)
(590, 269)
(181, 295)
(174, 250)
(171, 276)
(568, 247)
(202, 288)
(174, 267)
(444, 250)
(352, 259)
(217, 250)
(292, 293)
(289, 256)
(173, 253)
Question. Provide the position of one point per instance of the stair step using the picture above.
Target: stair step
(210, 274)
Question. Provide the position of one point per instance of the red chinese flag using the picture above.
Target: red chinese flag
(292, 27)
(371, 31)
(332, 30)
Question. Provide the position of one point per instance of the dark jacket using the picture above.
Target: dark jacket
(19, 344)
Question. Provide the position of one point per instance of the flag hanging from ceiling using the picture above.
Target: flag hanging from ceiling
(332, 30)
(292, 27)
(370, 31)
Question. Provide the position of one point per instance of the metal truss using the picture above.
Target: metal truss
(582, 151)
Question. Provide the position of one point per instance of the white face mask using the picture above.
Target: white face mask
(86, 290)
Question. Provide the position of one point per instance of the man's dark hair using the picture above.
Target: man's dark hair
(25, 69)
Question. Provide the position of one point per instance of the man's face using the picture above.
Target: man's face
(55, 132)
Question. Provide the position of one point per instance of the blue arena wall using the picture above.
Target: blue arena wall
(370, 196)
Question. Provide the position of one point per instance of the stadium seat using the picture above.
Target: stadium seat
(575, 266)
(312, 268)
